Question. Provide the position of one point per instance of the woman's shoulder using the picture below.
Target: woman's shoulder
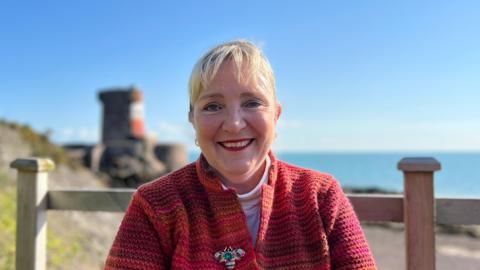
(322, 187)
(309, 178)
(170, 187)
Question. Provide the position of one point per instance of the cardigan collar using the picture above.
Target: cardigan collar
(211, 180)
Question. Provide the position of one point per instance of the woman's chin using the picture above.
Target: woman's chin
(237, 169)
(241, 168)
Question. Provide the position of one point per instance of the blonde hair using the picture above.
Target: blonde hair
(241, 52)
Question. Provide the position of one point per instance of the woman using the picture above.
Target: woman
(237, 206)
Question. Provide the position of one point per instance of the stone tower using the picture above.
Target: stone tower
(123, 115)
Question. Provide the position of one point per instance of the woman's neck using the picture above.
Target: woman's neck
(244, 183)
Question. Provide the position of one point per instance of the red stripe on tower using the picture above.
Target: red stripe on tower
(137, 119)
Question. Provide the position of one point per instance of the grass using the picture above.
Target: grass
(7, 224)
(40, 144)
(60, 248)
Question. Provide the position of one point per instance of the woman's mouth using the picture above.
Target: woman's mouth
(236, 145)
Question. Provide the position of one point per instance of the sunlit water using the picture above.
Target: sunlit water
(460, 174)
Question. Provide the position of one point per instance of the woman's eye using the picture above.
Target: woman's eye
(252, 104)
(212, 107)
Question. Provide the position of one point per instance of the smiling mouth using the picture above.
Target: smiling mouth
(236, 145)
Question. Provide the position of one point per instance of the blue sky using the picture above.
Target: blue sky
(351, 75)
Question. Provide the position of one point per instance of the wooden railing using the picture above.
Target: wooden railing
(417, 208)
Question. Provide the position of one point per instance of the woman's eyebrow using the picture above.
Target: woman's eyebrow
(208, 96)
(251, 94)
(247, 94)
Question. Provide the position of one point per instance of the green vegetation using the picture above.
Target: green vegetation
(61, 249)
(7, 224)
(40, 143)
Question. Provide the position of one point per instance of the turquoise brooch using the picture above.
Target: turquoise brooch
(229, 256)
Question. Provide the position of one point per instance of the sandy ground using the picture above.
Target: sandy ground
(452, 251)
(388, 246)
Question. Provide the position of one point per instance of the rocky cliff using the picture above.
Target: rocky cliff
(76, 240)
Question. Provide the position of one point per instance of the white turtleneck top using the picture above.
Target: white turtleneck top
(251, 201)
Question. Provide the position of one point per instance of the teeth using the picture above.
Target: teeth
(236, 144)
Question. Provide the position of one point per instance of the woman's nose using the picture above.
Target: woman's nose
(234, 121)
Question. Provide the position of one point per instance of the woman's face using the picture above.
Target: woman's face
(235, 127)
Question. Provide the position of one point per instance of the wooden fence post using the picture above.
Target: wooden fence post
(32, 185)
(419, 209)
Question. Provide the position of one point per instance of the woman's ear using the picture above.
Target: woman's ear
(190, 117)
(278, 111)
(190, 114)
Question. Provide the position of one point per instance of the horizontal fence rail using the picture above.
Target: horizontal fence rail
(376, 207)
(454, 211)
(369, 207)
(111, 200)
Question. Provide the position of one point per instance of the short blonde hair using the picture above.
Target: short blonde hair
(241, 52)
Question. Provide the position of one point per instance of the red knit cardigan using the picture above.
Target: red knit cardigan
(185, 220)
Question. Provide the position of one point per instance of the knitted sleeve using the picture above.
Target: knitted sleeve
(137, 244)
(347, 243)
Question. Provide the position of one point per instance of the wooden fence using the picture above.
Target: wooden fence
(417, 208)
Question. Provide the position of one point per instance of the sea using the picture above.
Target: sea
(459, 176)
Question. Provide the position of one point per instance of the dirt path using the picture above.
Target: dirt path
(453, 251)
